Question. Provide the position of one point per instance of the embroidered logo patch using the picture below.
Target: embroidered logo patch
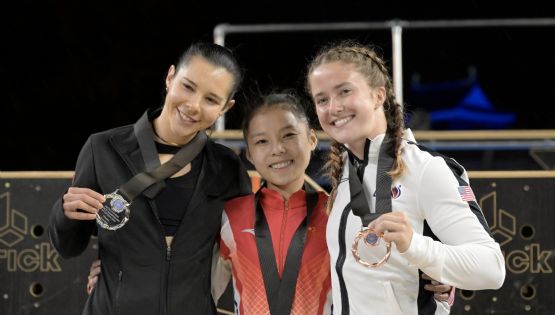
(396, 192)
(466, 193)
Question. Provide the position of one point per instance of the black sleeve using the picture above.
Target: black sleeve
(244, 180)
(234, 177)
(71, 237)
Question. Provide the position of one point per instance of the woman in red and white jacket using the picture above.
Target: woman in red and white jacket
(273, 243)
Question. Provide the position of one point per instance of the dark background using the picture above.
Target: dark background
(71, 68)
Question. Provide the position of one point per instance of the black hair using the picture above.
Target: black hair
(286, 100)
(217, 55)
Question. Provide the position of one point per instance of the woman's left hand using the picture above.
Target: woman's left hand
(395, 227)
(442, 292)
(94, 273)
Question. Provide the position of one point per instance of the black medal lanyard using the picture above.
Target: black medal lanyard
(359, 202)
(280, 292)
(140, 182)
(361, 208)
(115, 212)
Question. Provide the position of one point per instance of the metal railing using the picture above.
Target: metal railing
(395, 26)
(471, 140)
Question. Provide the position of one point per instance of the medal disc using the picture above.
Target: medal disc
(114, 213)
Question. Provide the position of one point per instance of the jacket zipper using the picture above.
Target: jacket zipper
(168, 252)
(167, 277)
(282, 236)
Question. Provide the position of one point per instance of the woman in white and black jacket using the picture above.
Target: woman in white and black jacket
(426, 207)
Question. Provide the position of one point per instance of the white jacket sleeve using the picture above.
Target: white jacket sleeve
(221, 266)
(221, 274)
(467, 256)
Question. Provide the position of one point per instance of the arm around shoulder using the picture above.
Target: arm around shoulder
(221, 274)
(234, 175)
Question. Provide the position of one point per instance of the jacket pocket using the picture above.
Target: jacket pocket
(394, 307)
(117, 302)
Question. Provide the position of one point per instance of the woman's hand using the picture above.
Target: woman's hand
(94, 273)
(442, 292)
(395, 227)
(82, 203)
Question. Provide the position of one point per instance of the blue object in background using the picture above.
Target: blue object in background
(474, 111)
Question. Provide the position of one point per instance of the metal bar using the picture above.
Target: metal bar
(444, 145)
(397, 47)
(480, 23)
(219, 34)
(516, 134)
(220, 123)
(223, 29)
(420, 135)
(511, 174)
(488, 145)
(36, 174)
(396, 27)
(472, 174)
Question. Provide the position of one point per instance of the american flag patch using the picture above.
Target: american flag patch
(466, 193)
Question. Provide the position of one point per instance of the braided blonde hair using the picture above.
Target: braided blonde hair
(367, 62)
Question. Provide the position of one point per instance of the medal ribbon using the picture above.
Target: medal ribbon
(280, 292)
(359, 202)
(145, 182)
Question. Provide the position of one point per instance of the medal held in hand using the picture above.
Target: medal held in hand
(360, 204)
(371, 239)
(114, 212)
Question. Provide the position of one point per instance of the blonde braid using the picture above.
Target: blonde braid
(396, 127)
(334, 167)
(393, 112)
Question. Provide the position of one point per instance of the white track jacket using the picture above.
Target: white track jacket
(434, 194)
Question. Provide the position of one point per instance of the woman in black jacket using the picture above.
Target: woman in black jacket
(157, 262)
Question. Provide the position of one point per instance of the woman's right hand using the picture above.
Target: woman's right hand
(82, 203)
(94, 273)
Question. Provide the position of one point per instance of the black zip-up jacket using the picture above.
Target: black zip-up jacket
(140, 274)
